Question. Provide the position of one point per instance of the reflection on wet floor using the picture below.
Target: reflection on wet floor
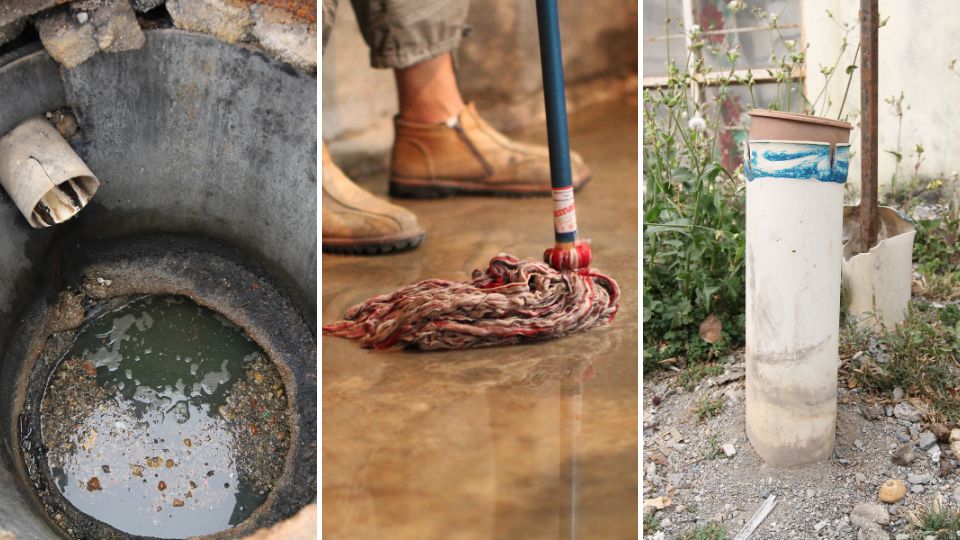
(533, 441)
(165, 420)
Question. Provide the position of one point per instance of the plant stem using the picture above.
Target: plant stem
(849, 80)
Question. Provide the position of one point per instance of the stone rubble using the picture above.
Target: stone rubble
(286, 38)
(75, 32)
(228, 20)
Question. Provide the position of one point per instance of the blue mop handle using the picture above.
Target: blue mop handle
(561, 176)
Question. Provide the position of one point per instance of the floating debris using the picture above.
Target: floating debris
(258, 414)
(138, 381)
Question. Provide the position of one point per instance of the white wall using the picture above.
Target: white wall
(916, 47)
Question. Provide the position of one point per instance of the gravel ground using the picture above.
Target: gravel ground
(684, 460)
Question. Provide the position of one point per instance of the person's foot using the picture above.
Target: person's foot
(469, 157)
(356, 222)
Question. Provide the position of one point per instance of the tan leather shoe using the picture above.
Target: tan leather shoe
(356, 222)
(469, 157)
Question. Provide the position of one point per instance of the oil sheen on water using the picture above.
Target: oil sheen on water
(164, 419)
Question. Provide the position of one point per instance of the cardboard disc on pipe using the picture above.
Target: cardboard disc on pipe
(46, 179)
(784, 126)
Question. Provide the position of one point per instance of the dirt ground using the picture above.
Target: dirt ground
(683, 460)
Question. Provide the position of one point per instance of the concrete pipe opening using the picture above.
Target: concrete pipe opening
(158, 375)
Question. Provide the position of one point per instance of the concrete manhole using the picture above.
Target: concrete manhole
(204, 225)
(165, 389)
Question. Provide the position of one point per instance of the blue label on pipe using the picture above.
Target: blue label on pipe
(797, 161)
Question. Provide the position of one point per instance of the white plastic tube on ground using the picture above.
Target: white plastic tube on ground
(46, 179)
(794, 250)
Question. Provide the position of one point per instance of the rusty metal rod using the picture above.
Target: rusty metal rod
(869, 79)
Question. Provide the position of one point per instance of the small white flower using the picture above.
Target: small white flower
(790, 43)
(694, 30)
(697, 123)
(736, 5)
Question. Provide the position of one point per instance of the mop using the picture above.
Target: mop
(513, 300)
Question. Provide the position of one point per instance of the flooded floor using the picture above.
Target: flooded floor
(533, 441)
(165, 420)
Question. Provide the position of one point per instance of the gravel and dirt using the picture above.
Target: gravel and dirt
(687, 470)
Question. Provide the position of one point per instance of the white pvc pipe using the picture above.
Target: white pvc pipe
(46, 179)
(794, 249)
(878, 283)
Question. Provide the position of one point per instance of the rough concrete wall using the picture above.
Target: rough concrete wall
(302, 526)
(914, 58)
(499, 67)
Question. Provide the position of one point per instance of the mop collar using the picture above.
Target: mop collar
(512, 301)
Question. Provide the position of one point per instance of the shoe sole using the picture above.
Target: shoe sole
(371, 247)
(415, 188)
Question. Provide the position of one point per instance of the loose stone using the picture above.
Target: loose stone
(941, 431)
(955, 448)
(866, 513)
(927, 439)
(905, 411)
(919, 478)
(904, 455)
(892, 491)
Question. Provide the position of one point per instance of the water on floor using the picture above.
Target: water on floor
(141, 419)
(533, 441)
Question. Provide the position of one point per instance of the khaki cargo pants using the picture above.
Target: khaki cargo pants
(401, 33)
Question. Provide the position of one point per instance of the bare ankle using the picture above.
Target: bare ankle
(428, 91)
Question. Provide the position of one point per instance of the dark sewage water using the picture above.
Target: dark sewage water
(165, 419)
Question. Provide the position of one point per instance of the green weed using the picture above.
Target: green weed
(937, 522)
(921, 357)
(651, 524)
(710, 531)
(707, 408)
(691, 377)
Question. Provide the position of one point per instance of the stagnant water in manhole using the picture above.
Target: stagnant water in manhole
(165, 419)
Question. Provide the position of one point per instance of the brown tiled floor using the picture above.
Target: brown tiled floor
(536, 441)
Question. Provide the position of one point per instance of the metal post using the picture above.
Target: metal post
(869, 23)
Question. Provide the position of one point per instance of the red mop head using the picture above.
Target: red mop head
(569, 256)
(512, 301)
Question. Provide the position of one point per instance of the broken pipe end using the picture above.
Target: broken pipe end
(46, 179)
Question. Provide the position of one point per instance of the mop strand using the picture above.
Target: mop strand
(513, 301)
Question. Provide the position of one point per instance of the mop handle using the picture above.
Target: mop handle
(561, 175)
